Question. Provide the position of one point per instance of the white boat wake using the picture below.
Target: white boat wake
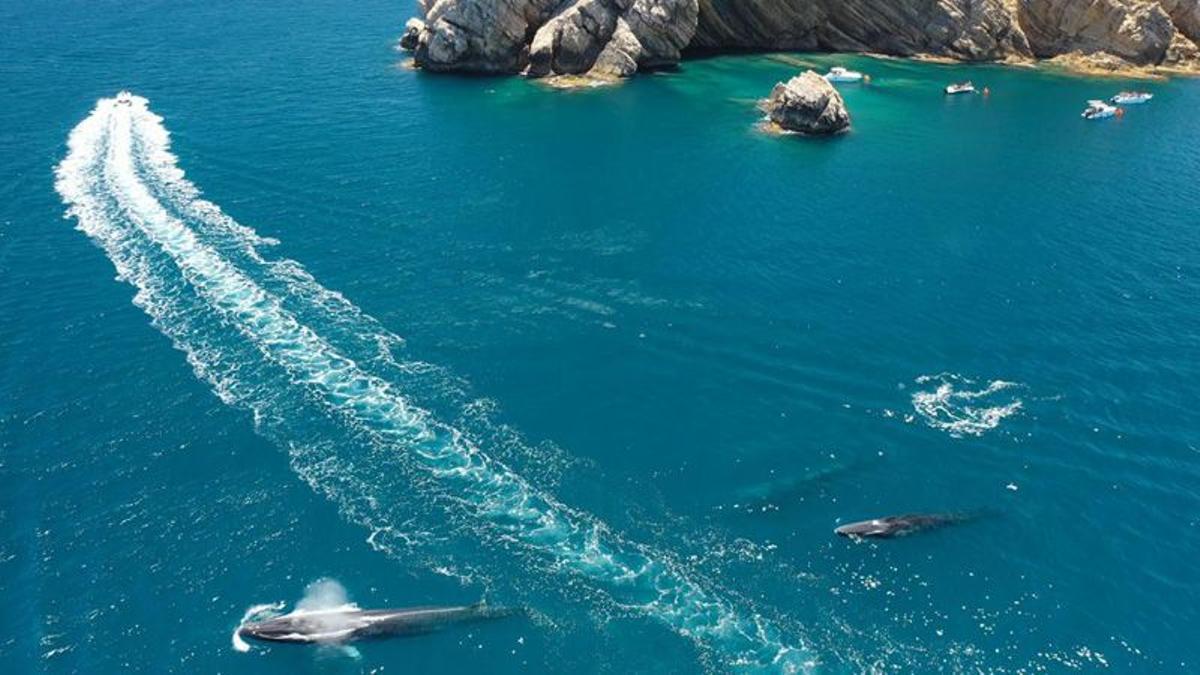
(270, 339)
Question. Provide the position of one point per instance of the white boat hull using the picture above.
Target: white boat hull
(842, 75)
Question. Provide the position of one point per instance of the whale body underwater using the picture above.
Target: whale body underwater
(348, 623)
(897, 526)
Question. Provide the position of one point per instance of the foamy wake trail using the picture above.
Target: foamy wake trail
(960, 408)
(190, 265)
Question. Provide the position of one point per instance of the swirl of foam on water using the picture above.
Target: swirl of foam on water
(118, 160)
(964, 412)
(253, 612)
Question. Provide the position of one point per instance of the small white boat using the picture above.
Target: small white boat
(960, 88)
(124, 98)
(1131, 97)
(840, 74)
(1099, 110)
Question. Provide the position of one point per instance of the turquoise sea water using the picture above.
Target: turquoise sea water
(614, 355)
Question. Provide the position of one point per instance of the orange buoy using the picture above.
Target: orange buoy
(987, 91)
(1120, 112)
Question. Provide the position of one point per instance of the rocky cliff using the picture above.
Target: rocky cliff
(544, 37)
(615, 38)
(1139, 32)
(967, 29)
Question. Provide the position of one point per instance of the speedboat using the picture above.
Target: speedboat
(1099, 110)
(961, 88)
(1131, 97)
(124, 98)
(840, 74)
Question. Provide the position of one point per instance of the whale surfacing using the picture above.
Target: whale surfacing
(896, 526)
(348, 623)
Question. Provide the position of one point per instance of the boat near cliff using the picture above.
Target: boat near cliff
(1099, 110)
(960, 88)
(1131, 98)
(838, 74)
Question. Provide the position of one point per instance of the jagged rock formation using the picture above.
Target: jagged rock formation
(1113, 34)
(968, 29)
(612, 37)
(604, 39)
(1138, 32)
(411, 37)
(1185, 14)
(807, 104)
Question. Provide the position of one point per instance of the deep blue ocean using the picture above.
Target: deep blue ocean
(615, 356)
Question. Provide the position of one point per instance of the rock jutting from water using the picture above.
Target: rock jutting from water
(597, 38)
(411, 37)
(609, 39)
(807, 104)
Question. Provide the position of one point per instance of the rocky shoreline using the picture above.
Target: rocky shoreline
(585, 42)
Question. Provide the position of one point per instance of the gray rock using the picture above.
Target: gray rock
(1183, 53)
(555, 37)
(663, 28)
(1137, 31)
(570, 42)
(807, 104)
(972, 30)
(616, 38)
(1185, 14)
(620, 56)
(483, 36)
(412, 34)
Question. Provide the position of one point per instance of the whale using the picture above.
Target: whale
(787, 490)
(348, 623)
(897, 526)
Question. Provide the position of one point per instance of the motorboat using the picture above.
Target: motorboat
(1099, 110)
(1131, 97)
(960, 88)
(840, 74)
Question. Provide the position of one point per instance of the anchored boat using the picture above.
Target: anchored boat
(960, 88)
(1099, 110)
(1131, 97)
(840, 74)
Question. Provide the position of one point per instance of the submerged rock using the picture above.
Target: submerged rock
(807, 104)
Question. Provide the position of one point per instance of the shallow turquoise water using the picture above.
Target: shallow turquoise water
(696, 348)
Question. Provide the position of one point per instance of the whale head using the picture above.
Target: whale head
(306, 627)
(878, 527)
